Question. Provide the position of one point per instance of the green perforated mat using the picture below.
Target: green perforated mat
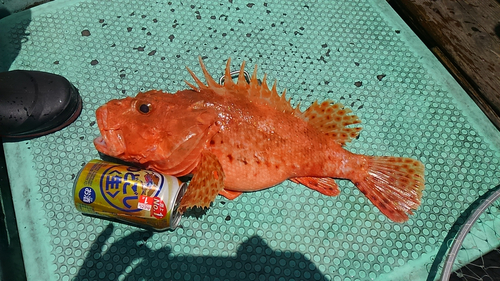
(357, 52)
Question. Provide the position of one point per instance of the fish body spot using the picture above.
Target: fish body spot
(257, 160)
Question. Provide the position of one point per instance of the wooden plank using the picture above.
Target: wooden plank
(467, 38)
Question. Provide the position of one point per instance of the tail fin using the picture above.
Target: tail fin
(394, 185)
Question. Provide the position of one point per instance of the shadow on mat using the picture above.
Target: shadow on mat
(129, 256)
(11, 260)
(11, 45)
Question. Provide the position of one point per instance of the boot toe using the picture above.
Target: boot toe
(34, 103)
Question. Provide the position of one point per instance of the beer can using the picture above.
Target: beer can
(141, 197)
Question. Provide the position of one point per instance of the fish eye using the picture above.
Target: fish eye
(144, 108)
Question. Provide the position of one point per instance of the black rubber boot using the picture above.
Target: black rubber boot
(34, 103)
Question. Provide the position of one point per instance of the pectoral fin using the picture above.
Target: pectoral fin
(207, 182)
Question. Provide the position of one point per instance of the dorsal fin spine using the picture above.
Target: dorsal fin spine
(264, 82)
(297, 108)
(228, 80)
(210, 81)
(192, 86)
(254, 80)
(274, 88)
(241, 75)
(196, 79)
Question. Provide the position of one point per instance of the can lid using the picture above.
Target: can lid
(176, 216)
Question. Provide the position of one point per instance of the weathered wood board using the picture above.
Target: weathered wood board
(466, 34)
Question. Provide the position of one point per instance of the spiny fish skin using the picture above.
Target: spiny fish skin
(241, 137)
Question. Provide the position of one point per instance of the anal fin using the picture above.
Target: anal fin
(326, 186)
(207, 182)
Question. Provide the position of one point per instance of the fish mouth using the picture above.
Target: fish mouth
(110, 142)
(111, 148)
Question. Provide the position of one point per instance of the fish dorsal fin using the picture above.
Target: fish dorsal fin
(260, 92)
(328, 117)
(333, 119)
(255, 90)
(210, 81)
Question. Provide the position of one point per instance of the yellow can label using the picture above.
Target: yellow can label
(128, 193)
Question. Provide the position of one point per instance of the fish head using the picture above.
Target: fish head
(154, 128)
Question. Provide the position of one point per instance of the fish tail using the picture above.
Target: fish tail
(393, 184)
